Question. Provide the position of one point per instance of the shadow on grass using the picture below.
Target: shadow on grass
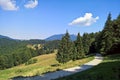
(103, 71)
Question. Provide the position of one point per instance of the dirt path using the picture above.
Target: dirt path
(98, 59)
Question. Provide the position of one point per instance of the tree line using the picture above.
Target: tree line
(74, 50)
(15, 52)
(108, 41)
(105, 42)
(18, 56)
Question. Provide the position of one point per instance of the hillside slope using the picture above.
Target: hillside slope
(45, 63)
(1, 36)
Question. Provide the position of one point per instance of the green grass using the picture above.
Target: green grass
(109, 69)
(45, 63)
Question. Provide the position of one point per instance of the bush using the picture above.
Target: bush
(55, 65)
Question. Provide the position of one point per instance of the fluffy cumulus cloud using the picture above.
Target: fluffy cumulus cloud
(8, 5)
(86, 20)
(31, 4)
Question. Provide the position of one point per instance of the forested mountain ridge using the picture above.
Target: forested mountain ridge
(59, 37)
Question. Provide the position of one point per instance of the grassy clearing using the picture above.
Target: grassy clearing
(109, 69)
(45, 63)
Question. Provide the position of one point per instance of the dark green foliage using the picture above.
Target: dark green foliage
(16, 52)
(70, 50)
(109, 39)
(52, 44)
(75, 50)
(88, 42)
(18, 57)
(97, 42)
(34, 41)
(74, 55)
(106, 36)
(78, 50)
(65, 49)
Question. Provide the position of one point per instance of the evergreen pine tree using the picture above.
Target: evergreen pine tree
(116, 27)
(74, 53)
(107, 36)
(65, 49)
(86, 42)
(79, 47)
(116, 36)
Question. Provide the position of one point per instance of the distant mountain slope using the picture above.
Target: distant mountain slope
(1, 37)
(59, 37)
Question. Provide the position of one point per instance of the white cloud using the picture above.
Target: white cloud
(31, 4)
(86, 20)
(8, 5)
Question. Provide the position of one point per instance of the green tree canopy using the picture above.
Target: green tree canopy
(65, 49)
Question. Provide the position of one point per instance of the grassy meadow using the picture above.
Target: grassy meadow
(45, 63)
(109, 69)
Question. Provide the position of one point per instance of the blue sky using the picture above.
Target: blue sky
(39, 19)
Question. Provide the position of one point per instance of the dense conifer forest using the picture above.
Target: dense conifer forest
(105, 42)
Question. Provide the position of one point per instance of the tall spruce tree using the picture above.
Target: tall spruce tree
(116, 27)
(65, 49)
(74, 55)
(86, 42)
(79, 47)
(107, 36)
(116, 37)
